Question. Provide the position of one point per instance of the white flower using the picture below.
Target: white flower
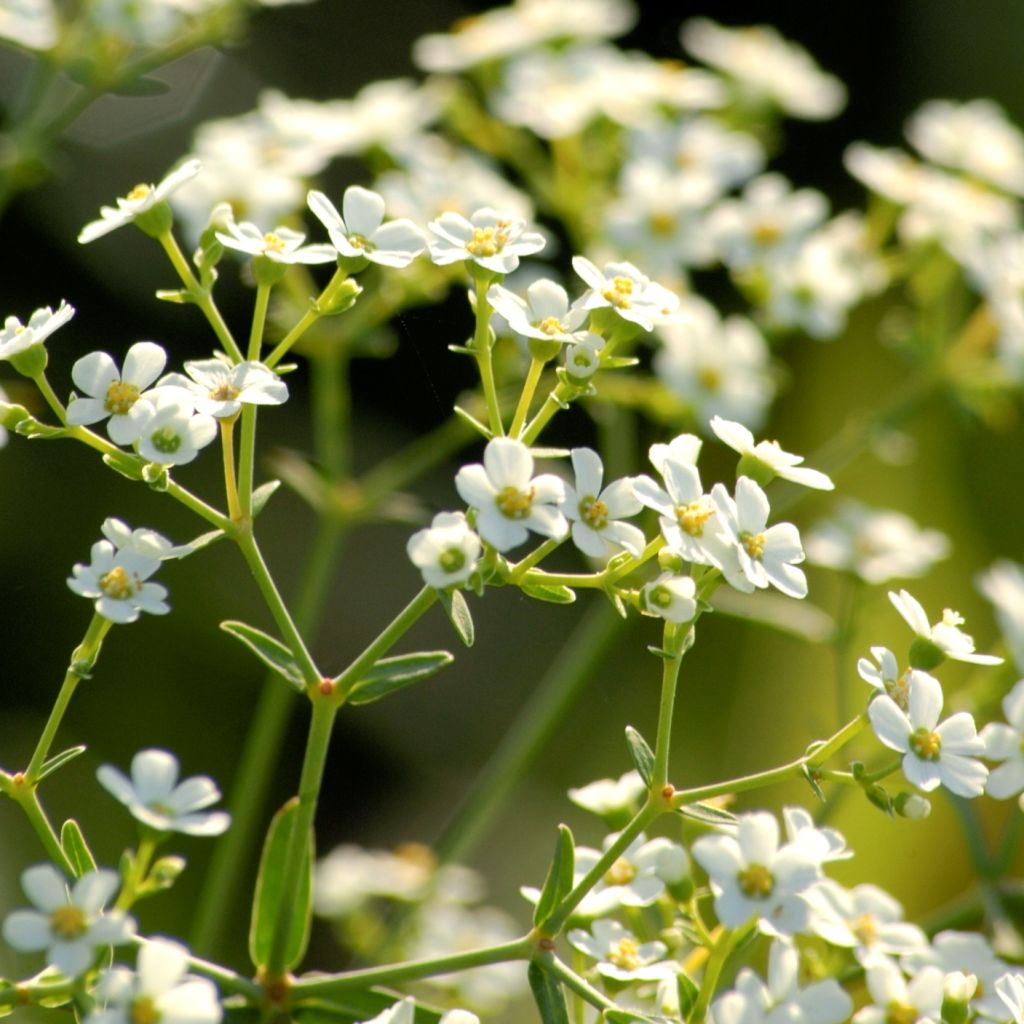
(768, 457)
(919, 1000)
(402, 1012)
(1003, 584)
(30, 23)
(173, 435)
(865, 919)
(145, 542)
(70, 926)
(282, 245)
(583, 359)
(753, 876)
(3, 430)
(622, 288)
(763, 554)
(975, 137)
(782, 999)
(610, 796)
(766, 68)
(219, 389)
(116, 394)
(620, 956)
(945, 638)
(596, 514)
(362, 231)
(1010, 989)
(969, 953)
(16, 337)
(508, 501)
(887, 678)
(491, 239)
(141, 198)
(715, 366)
(933, 755)
(1005, 742)
(158, 990)
(820, 844)
(116, 579)
(446, 552)
(877, 545)
(671, 597)
(154, 796)
(545, 313)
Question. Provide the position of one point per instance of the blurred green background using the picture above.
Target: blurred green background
(749, 698)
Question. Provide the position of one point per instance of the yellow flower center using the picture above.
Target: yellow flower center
(550, 325)
(139, 192)
(625, 954)
(756, 881)
(361, 242)
(488, 241)
(754, 544)
(224, 392)
(620, 873)
(766, 233)
(661, 224)
(709, 378)
(693, 516)
(120, 398)
(514, 503)
(927, 745)
(865, 929)
(899, 690)
(117, 584)
(619, 292)
(951, 618)
(144, 1012)
(68, 923)
(900, 1013)
(273, 243)
(594, 513)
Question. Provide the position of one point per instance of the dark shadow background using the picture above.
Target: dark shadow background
(749, 698)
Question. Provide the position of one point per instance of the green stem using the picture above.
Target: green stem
(483, 342)
(388, 637)
(247, 461)
(669, 680)
(586, 648)
(411, 970)
(817, 756)
(259, 320)
(28, 798)
(200, 296)
(332, 427)
(227, 439)
(568, 977)
(51, 397)
(526, 398)
(143, 858)
(309, 318)
(592, 580)
(537, 555)
(310, 781)
(200, 507)
(552, 404)
(251, 552)
(712, 972)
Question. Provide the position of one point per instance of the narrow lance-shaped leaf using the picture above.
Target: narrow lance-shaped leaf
(58, 761)
(271, 888)
(553, 594)
(76, 849)
(391, 674)
(271, 652)
(457, 610)
(558, 884)
(548, 995)
(641, 753)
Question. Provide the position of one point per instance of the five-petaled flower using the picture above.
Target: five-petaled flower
(116, 579)
(218, 388)
(17, 337)
(490, 239)
(596, 514)
(446, 551)
(282, 245)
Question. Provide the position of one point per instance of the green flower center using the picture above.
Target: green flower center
(514, 503)
(753, 543)
(117, 584)
(660, 596)
(144, 1012)
(926, 744)
(620, 292)
(452, 560)
(166, 440)
(692, 517)
(68, 923)
(594, 513)
(709, 378)
(120, 398)
(625, 954)
(756, 881)
(900, 1013)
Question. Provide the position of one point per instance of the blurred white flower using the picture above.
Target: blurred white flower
(446, 552)
(17, 337)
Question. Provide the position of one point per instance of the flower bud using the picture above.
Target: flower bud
(912, 806)
(957, 991)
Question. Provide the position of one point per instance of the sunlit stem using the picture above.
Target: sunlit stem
(51, 397)
(483, 341)
(309, 318)
(227, 439)
(568, 977)
(259, 321)
(526, 398)
(27, 797)
(669, 680)
(712, 972)
(247, 460)
(537, 555)
(200, 296)
(140, 868)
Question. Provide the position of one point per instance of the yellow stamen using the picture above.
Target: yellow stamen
(120, 398)
(756, 881)
(139, 192)
(900, 1013)
(692, 517)
(68, 923)
(625, 954)
(117, 584)
(619, 292)
(273, 243)
(514, 503)
(144, 1012)
(594, 513)
(865, 929)
(224, 392)
(620, 873)
(550, 325)
(927, 745)
(766, 233)
(754, 544)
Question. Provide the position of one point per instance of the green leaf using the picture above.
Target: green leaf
(141, 87)
(620, 1016)
(73, 843)
(547, 993)
(354, 1007)
(271, 652)
(552, 593)
(688, 992)
(129, 466)
(30, 427)
(58, 761)
(708, 814)
(262, 495)
(467, 417)
(558, 884)
(391, 674)
(642, 755)
(812, 781)
(271, 888)
(457, 610)
(202, 541)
